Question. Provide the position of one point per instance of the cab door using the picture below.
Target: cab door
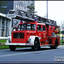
(39, 32)
(44, 36)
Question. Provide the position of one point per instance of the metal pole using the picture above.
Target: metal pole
(47, 9)
(62, 30)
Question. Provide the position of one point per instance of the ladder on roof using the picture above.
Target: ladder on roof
(23, 15)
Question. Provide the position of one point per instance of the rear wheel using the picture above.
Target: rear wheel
(56, 45)
(12, 48)
(36, 45)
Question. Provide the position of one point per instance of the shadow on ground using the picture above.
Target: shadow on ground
(29, 49)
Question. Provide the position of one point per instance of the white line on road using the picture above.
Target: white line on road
(15, 54)
(20, 53)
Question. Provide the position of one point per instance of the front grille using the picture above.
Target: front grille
(18, 35)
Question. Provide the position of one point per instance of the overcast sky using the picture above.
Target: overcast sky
(55, 10)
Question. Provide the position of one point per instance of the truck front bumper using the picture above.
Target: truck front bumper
(20, 44)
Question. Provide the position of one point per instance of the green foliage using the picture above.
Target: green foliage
(61, 40)
(31, 9)
(3, 40)
(4, 47)
(59, 30)
(62, 44)
(3, 3)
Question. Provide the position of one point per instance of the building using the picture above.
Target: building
(5, 25)
(5, 22)
(22, 5)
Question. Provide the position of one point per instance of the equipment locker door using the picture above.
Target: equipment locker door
(39, 32)
(43, 33)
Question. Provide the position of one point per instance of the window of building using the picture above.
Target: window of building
(16, 6)
(28, 2)
(2, 32)
(3, 27)
(20, 7)
(4, 7)
(39, 27)
(0, 22)
(0, 26)
(23, 8)
(6, 27)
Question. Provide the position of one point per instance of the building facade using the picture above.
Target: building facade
(21, 5)
(6, 23)
(5, 26)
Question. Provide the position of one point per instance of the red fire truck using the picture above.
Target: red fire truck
(34, 32)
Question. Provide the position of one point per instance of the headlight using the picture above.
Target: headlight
(29, 40)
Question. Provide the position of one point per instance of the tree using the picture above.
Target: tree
(31, 9)
(2, 5)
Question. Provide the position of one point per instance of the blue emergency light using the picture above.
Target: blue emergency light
(20, 21)
(35, 19)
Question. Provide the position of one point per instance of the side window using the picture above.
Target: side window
(39, 27)
(43, 27)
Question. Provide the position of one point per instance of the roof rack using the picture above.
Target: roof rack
(23, 15)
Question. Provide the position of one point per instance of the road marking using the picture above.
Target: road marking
(14, 54)
(22, 53)
(19, 54)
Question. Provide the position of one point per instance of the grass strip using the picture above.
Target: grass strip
(61, 40)
(3, 40)
(7, 47)
(3, 46)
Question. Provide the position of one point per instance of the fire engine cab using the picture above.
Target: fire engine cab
(33, 31)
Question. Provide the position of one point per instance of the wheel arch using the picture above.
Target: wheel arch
(32, 39)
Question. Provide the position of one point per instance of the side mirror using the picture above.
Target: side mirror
(15, 28)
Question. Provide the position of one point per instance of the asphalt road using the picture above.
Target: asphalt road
(45, 54)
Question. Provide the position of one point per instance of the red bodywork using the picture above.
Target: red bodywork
(45, 35)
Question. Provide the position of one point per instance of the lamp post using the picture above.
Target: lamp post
(47, 9)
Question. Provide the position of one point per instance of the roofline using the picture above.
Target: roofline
(5, 17)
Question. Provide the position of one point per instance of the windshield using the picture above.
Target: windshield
(26, 27)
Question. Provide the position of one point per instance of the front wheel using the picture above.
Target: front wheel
(12, 48)
(36, 45)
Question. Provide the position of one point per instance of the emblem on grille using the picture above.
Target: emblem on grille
(18, 40)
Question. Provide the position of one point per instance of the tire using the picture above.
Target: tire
(36, 45)
(56, 45)
(12, 48)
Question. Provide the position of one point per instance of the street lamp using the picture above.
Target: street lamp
(47, 9)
